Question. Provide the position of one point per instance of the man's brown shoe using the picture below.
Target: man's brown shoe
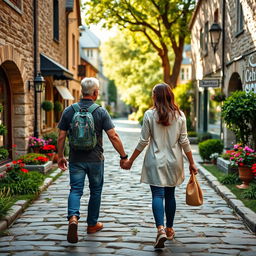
(170, 233)
(72, 235)
(95, 228)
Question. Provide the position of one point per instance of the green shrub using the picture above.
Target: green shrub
(47, 105)
(58, 106)
(1, 108)
(3, 129)
(33, 159)
(5, 202)
(208, 147)
(51, 138)
(238, 112)
(229, 179)
(22, 183)
(204, 136)
(192, 134)
(3, 153)
(250, 193)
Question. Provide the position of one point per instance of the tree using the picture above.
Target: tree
(164, 23)
(135, 68)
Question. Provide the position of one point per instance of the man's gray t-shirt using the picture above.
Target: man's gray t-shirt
(102, 121)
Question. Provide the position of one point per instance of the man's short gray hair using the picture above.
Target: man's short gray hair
(89, 84)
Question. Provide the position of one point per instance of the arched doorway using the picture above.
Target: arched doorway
(5, 101)
(235, 83)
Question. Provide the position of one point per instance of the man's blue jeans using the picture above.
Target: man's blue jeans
(158, 194)
(95, 174)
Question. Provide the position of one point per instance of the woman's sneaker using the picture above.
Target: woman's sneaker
(160, 239)
(170, 233)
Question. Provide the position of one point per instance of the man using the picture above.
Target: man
(90, 163)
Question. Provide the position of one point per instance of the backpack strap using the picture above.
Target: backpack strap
(76, 107)
(93, 107)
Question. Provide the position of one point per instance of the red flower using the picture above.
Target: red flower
(240, 164)
(14, 162)
(14, 145)
(24, 170)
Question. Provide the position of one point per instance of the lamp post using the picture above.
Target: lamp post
(215, 32)
(38, 85)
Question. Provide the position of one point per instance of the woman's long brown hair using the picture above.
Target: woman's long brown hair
(163, 98)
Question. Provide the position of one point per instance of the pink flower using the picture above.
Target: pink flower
(246, 148)
(231, 158)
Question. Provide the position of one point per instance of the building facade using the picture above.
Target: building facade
(33, 40)
(227, 67)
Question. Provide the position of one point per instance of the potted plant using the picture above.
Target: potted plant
(3, 153)
(48, 150)
(47, 105)
(35, 144)
(58, 106)
(244, 158)
(238, 112)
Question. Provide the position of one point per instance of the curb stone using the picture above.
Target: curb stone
(245, 213)
(21, 205)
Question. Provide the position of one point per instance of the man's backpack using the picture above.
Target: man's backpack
(82, 135)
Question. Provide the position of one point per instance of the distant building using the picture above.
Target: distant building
(186, 66)
(36, 37)
(228, 67)
(91, 60)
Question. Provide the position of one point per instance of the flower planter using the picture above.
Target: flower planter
(246, 176)
(225, 166)
(43, 168)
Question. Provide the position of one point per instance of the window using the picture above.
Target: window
(201, 40)
(239, 17)
(182, 74)
(216, 16)
(206, 37)
(73, 51)
(56, 20)
(187, 74)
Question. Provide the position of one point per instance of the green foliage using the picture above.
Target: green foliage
(192, 134)
(162, 23)
(47, 105)
(225, 156)
(3, 153)
(112, 91)
(51, 138)
(33, 159)
(3, 129)
(137, 71)
(5, 202)
(23, 183)
(58, 106)
(250, 193)
(204, 136)
(208, 147)
(1, 108)
(229, 179)
(238, 112)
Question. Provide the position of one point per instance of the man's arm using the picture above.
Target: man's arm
(116, 142)
(62, 162)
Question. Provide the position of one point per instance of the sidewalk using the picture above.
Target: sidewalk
(211, 229)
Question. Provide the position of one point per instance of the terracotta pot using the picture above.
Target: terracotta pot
(246, 176)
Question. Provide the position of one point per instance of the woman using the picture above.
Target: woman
(164, 129)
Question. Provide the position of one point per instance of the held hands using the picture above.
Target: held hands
(193, 169)
(126, 164)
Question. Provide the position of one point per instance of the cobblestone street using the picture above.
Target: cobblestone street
(212, 229)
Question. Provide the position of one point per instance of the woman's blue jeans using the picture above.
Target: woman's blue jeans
(158, 195)
(95, 174)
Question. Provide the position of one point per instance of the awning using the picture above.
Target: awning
(64, 92)
(49, 67)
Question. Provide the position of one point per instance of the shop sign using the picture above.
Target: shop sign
(250, 74)
(209, 83)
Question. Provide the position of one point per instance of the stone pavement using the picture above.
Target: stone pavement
(211, 229)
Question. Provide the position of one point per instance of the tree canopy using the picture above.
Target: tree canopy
(163, 23)
(135, 68)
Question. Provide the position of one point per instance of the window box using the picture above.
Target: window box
(43, 168)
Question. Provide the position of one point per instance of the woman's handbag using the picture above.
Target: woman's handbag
(194, 194)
